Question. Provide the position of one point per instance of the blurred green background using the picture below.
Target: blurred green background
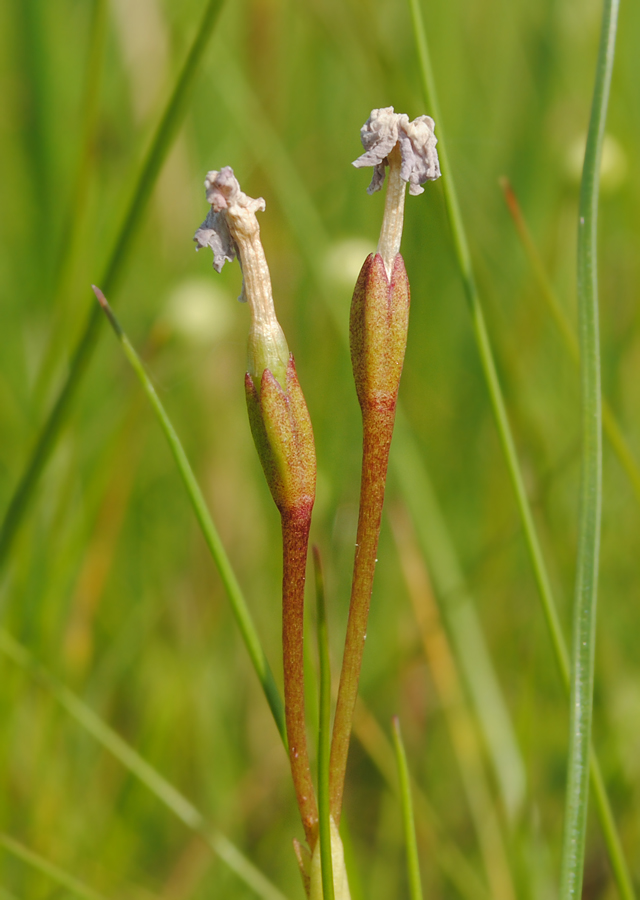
(109, 583)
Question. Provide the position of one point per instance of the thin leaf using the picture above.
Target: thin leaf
(216, 548)
(586, 590)
(413, 866)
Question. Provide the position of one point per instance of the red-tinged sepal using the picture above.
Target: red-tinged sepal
(283, 436)
(378, 331)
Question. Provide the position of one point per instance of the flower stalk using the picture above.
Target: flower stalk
(283, 436)
(378, 338)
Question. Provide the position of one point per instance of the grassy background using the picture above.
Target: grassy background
(109, 583)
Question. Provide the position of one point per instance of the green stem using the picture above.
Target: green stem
(586, 591)
(377, 433)
(55, 873)
(163, 139)
(461, 248)
(324, 736)
(413, 866)
(182, 808)
(295, 541)
(209, 531)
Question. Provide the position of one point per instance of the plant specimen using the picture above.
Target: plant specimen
(283, 436)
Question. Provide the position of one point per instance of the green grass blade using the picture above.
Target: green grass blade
(413, 866)
(209, 530)
(62, 878)
(182, 808)
(160, 146)
(74, 224)
(324, 736)
(586, 591)
(610, 424)
(461, 246)
(447, 856)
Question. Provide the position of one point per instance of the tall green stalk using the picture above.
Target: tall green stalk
(586, 590)
(160, 146)
(324, 736)
(461, 247)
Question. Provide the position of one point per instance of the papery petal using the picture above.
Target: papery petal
(379, 135)
(214, 233)
(419, 155)
(382, 131)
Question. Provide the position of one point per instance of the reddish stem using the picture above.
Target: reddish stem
(377, 431)
(295, 539)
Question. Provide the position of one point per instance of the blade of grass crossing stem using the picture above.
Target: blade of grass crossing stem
(586, 590)
(324, 735)
(307, 227)
(59, 876)
(461, 247)
(413, 866)
(209, 530)
(182, 808)
(162, 141)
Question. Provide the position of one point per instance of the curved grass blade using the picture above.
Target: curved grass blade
(413, 866)
(160, 146)
(209, 530)
(610, 424)
(61, 878)
(589, 524)
(461, 247)
(324, 735)
(182, 808)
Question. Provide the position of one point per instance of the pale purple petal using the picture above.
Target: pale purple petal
(379, 135)
(419, 155)
(382, 131)
(214, 233)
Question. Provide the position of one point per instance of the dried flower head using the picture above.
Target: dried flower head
(231, 230)
(408, 150)
(417, 143)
